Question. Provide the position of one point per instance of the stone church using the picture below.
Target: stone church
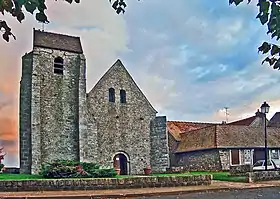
(113, 124)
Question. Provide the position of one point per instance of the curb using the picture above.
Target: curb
(131, 195)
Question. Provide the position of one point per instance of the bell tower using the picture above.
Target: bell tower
(52, 100)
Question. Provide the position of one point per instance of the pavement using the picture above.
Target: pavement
(136, 193)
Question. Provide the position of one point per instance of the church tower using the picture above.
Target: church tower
(52, 101)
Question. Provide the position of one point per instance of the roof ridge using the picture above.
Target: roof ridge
(54, 33)
(193, 122)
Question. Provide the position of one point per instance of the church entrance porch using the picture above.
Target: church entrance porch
(121, 162)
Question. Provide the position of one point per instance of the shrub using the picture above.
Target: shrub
(73, 169)
(1, 167)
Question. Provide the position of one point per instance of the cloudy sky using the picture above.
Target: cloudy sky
(190, 58)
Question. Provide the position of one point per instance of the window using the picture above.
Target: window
(274, 154)
(111, 95)
(235, 157)
(123, 96)
(247, 156)
(58, 65)
(259, 163)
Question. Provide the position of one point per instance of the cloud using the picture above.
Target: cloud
(103, 35)
(190, 58)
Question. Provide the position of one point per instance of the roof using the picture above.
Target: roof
(176, 128)
(56, 41)
(227, 136)
(275, 120)
(247, 121)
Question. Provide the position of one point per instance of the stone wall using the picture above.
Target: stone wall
(55, 107)
(240, 170)
(121, 127)
(263, 176)
(25, 114)
(204, 160)
(102, 184)
(159, 145)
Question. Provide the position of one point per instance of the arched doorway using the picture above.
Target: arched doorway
(121, 161)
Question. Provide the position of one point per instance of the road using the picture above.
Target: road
(260, 193)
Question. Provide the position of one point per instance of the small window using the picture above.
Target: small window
(58, 65)
(247, 156)
(111, 95)
(123, 96)
(235, 157)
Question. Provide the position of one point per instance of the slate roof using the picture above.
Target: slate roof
(176, 128)
(56, 41)
(275, 120)
(226, 136)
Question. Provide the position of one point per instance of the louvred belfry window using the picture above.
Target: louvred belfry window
(58, 66)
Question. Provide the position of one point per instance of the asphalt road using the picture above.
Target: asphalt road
(261, 193)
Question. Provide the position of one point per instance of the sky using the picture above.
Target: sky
(190, 58)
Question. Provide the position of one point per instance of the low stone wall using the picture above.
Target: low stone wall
(263, 176)
(240, 170)
(103, 183)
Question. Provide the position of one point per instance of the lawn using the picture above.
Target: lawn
(222, 176)
(6, 176)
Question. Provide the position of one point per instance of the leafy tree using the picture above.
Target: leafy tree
(269, 15)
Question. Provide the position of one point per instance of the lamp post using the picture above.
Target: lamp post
(265, 109)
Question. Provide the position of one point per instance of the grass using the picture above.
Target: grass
(6, 176)
(221, 176)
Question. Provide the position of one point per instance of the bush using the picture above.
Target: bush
(1, 166)
(72, 169)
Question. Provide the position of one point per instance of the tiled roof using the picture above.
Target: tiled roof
(197, 139)
(275, 120)
(176, 128)
(57, 41)
(223, 136)
(247, 121)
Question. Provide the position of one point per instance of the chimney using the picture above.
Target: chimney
(259, 114)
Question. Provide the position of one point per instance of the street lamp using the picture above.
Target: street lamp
(265, 109)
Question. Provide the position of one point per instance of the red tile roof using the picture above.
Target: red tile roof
(246, 122)
(176, 128)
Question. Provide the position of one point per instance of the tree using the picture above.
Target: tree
(269, 15)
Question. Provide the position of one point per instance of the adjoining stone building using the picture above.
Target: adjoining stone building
(114, 124)
(216, 147)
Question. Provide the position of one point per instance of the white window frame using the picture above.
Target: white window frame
(230, 157)
(270, 152)
(250, 152)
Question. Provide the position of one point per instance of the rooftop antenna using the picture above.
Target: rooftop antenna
(226, 113)
(43, 26)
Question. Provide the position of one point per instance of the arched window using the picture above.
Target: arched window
(123, 96)
(111, 95)
(58, 66)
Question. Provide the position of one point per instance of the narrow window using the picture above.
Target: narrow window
(111, 95)
(123, 96)
(58, 65)
(235, 157)
(247, 156)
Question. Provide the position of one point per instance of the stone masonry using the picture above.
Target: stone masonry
(58, 120)
(159, 145)
(125, 127)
